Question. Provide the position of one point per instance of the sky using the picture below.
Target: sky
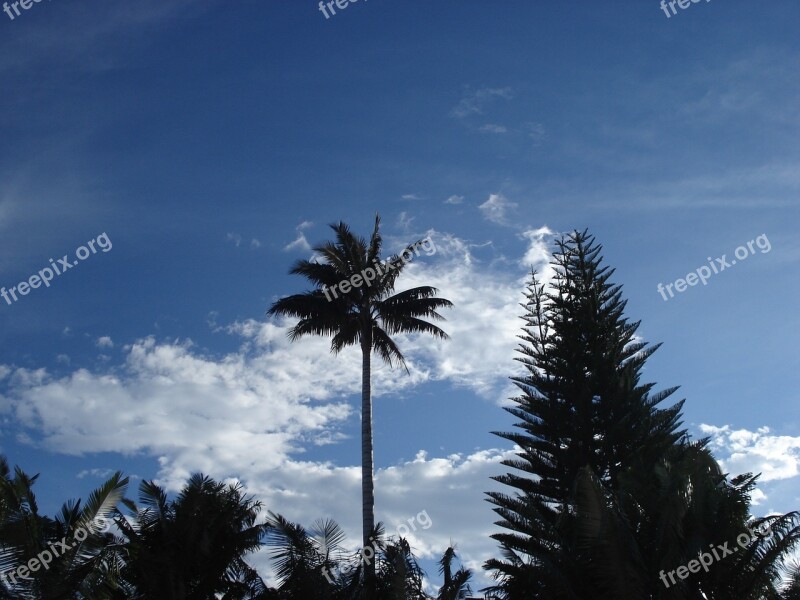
(204, 146)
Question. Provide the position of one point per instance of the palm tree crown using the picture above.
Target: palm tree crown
(368, 313)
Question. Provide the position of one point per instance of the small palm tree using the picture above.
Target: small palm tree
(456, 585)
(74, 556)
(313, 564)
(367, 315)
(193, 547)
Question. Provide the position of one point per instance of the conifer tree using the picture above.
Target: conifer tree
(607, 489)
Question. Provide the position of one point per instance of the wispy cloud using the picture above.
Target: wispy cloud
(99, 473)
(300, 242)
(536, 132)
(235, 238)
(474, 102)
(454, 200)
(496, 209)
(404, 221)
(492, 128)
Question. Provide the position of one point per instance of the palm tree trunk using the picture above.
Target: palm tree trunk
(367, 484)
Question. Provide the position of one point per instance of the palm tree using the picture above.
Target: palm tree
(367, 315)
(193, 547)
(75, 557)
(456, 585)
(307, 562)
(313, 564)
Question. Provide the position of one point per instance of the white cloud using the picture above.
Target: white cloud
(104, 342)
(496, 208)
(776, 457)
(99, 473)
(410, 197)
(254, 243)
(251, 414)
(474, 102)
(538, 250)
(454, 200)
(300, 242)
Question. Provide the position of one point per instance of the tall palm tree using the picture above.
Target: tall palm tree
(367, 315)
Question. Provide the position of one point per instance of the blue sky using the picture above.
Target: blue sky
(213, 142)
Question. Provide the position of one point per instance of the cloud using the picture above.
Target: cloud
(538, 251)
(404, 221)
(496, 208)
(254, 243)
(473, 103)
(253, 414)
(104, 342)
(410, 197)
(743, 451)
(235, 238)
(448, 490)
(536, 132)
(300, 241)
(99, 473)
(454, 200)
(491, 128)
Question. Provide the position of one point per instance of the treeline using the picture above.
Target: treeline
(608, 497)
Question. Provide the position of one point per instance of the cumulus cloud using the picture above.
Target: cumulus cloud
(496, 209)
(776, 457)
(454, 199)
(104, 342)
(252, 414)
